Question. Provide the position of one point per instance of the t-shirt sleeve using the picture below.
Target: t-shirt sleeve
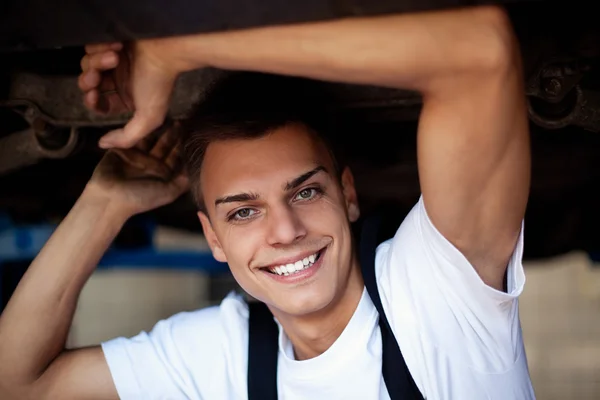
(156, 365)
(428, 287)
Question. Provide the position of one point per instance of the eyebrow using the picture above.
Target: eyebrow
(303, 178)
(236, 198)
(240, 197)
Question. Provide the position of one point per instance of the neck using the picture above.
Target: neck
(311, 335)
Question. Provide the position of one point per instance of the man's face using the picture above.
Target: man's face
(280, 217)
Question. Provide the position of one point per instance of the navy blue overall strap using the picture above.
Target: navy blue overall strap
(398, 380)
(263, 348)
(263, 336)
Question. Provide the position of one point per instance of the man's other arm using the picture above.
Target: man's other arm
(35, 324)
(34, 363)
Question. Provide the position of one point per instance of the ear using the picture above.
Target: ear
(350, 195)
(211, 238)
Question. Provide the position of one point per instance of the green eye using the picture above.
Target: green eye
(244, 213)
(305, 194)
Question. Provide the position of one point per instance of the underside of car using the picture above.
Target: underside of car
(48, 140)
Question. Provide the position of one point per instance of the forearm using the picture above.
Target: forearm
(407, 51)
(35, 324)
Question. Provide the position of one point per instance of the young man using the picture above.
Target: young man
(278, 210)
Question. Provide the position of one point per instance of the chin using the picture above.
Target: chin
(305, 302)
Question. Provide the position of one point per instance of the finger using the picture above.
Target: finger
(90, 100)
(151, 93)
(177, 186)
(101, 61)
(146, 143)
(146, 164)
(166, 141)
(112, 100)
(103, 104)
(139, 126)
(127, 155)
(180, 183)
(173, 159)
(109, 102)
(101, 47)
(172, 190)
(89, 80)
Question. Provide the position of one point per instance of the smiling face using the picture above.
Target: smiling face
(280, 216)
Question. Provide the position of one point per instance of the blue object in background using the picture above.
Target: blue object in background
(22, 243)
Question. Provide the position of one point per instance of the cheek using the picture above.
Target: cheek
(240, 244)
(326, 214)
(331, 218)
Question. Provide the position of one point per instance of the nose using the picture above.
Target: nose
(285, 227)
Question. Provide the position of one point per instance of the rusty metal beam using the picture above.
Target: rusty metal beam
(26, 147)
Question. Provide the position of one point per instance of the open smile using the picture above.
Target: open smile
(292, 268)
(301, 268)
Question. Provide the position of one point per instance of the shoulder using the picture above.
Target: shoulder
(213, 325)
(232, 308)
(182, 355)
(434, 298)
(187, 330)
(419, 246)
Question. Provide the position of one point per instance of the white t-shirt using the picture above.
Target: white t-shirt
(460, 338)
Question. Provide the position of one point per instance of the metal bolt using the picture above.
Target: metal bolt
(552, 87)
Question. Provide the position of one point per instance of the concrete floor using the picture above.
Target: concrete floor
(560, 314)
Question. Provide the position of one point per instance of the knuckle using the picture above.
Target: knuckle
(84, 63)
(96, 47)
(95, 61)
(81, 83)
(88, 102)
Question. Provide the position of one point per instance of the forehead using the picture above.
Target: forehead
(241, 165)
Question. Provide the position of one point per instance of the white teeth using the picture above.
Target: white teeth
(292, 268)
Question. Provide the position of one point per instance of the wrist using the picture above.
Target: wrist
(186, 52)
(172, 55)
(113, 211)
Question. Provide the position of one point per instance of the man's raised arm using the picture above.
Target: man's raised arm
(473, 138)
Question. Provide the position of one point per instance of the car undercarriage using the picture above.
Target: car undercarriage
(48, 139)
